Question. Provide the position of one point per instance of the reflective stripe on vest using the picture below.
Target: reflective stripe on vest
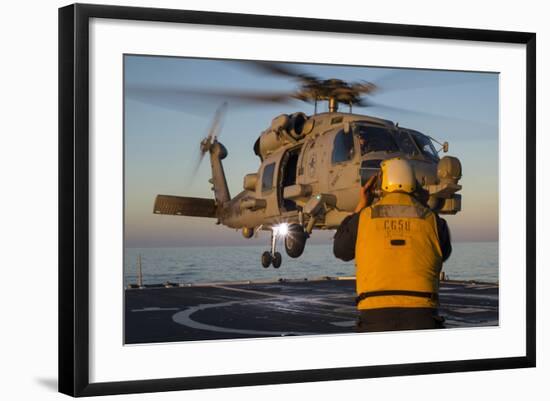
(412, 211)
(397, 250)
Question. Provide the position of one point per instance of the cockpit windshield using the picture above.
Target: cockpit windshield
(375, 139)
(406, 143)
(425, 145)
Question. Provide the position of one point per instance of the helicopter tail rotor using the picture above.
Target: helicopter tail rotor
(217, 152)
(214, 130)
(213, 133)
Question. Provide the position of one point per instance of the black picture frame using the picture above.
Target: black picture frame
(74, 194)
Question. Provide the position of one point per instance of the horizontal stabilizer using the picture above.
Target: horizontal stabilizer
(185, 206)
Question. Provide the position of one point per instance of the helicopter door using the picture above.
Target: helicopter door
(343, 174)
(288, 171)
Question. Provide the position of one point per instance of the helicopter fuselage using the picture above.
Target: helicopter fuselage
(329, 164)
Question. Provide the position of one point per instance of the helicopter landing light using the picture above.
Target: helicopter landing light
(281, 229)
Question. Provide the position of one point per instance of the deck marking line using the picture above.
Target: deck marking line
(289, 297)
(153, 309)
(184, 318)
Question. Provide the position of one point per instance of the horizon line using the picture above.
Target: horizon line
(250, 245)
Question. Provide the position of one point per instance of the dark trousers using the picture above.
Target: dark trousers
(391, 319)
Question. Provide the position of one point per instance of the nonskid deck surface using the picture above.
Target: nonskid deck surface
(282, 308)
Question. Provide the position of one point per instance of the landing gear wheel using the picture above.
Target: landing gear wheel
(277, 260)
(295, 241)
(266, 259)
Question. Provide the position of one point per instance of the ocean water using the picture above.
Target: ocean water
(469, 261)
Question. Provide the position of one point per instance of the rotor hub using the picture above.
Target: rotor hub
(334, 91)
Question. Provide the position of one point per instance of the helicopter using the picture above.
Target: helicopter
(312, 166)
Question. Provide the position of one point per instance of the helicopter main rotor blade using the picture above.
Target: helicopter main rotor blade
(400, 80)
(188, 98)
(283, 69)
(448, 119)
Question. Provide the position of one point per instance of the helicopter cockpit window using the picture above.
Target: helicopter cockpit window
(406, 143)
(375, 139)
(343, 147)
(425, 145)
(267, 177)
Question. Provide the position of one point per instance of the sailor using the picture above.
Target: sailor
(399, 246)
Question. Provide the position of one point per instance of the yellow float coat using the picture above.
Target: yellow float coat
(397, 249)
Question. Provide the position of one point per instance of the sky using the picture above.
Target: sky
(163, 129)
